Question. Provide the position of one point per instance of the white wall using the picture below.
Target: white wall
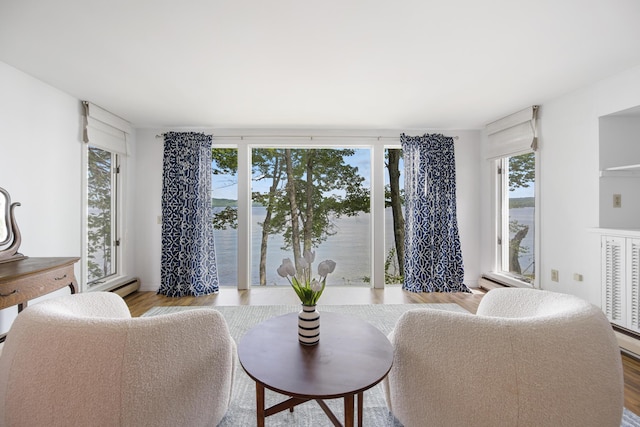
(149, 188)
(40, 167)
(569, 183)
(148, 207)
(40, 151)
(469, 196)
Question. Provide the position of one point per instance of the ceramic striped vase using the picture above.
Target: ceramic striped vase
(308, 325)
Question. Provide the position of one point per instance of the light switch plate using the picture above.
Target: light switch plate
(617, 200)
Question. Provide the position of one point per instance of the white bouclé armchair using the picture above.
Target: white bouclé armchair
(81, 360)
(527, 358)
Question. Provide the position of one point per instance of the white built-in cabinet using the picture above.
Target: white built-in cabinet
(619, 216)
(621, 279)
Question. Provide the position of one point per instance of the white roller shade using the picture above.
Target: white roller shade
(512, 135)
(105, 130)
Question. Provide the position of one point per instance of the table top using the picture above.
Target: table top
(352, 356)
(13, 270)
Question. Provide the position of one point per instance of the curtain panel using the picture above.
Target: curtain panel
(188, 264)
(432, 253)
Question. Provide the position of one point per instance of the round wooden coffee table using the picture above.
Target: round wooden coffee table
(351, 357)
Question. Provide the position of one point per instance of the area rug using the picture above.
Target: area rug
(383, 316)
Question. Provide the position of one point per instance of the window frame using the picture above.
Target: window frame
(500, 186)
(117, 204)
(244, 144)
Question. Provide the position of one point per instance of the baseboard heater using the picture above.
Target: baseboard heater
(487, 283)
(629, 341)
(126, 286)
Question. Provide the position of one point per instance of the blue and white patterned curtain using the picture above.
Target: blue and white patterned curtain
(432, 255)
(188, 266)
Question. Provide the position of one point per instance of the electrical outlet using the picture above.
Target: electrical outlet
(577, 277)
(617, 200)
(554, 276)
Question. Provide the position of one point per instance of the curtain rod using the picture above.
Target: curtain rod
(310, 137)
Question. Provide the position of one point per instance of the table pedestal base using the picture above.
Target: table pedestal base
(292, 402)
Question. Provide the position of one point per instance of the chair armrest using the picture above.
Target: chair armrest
(88, 304)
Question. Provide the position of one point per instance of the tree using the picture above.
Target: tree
(521, 175)
(307, 189)
(268, 162)
(522, 171)
(99, 193)
(515, 249)
(320, 186)
(225, 162)
(395, 200)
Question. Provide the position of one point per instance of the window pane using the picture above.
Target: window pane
(521, 216)
(315, 199)
(100, 215)
(224, 185)
(393, 217)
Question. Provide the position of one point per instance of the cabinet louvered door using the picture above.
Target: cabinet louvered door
(633, 284)
(613, 279)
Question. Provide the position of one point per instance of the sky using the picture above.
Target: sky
(224, 186)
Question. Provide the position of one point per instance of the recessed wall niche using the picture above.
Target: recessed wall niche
(620, 169)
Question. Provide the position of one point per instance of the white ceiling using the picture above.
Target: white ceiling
(334, 64)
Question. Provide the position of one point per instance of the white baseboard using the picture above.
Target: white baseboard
(629, 344)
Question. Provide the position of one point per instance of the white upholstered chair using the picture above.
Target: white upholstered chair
(528, 358)
(81, 360)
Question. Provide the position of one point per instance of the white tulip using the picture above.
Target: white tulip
(326, 267)
(287, 268)
(309, 256)
(316, 286)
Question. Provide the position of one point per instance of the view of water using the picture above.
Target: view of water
(349, 247)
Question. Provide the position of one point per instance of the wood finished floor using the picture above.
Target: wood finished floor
(140, 302)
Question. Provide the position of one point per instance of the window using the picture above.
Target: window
(102, 218)
(104, 156)
(394, 217)
(516, 217)
(224, 188)
(339, 184)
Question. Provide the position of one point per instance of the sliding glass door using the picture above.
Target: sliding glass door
(275, 199)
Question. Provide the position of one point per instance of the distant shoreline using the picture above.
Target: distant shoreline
(229, 203)
(514, 203)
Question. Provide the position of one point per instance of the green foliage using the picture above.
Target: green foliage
(303, 289)
(522, 171)
(99, 213)
(324, 187)
(228, 217)
(225, 161)
(336, 190)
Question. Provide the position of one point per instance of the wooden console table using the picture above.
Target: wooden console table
(29, 278)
